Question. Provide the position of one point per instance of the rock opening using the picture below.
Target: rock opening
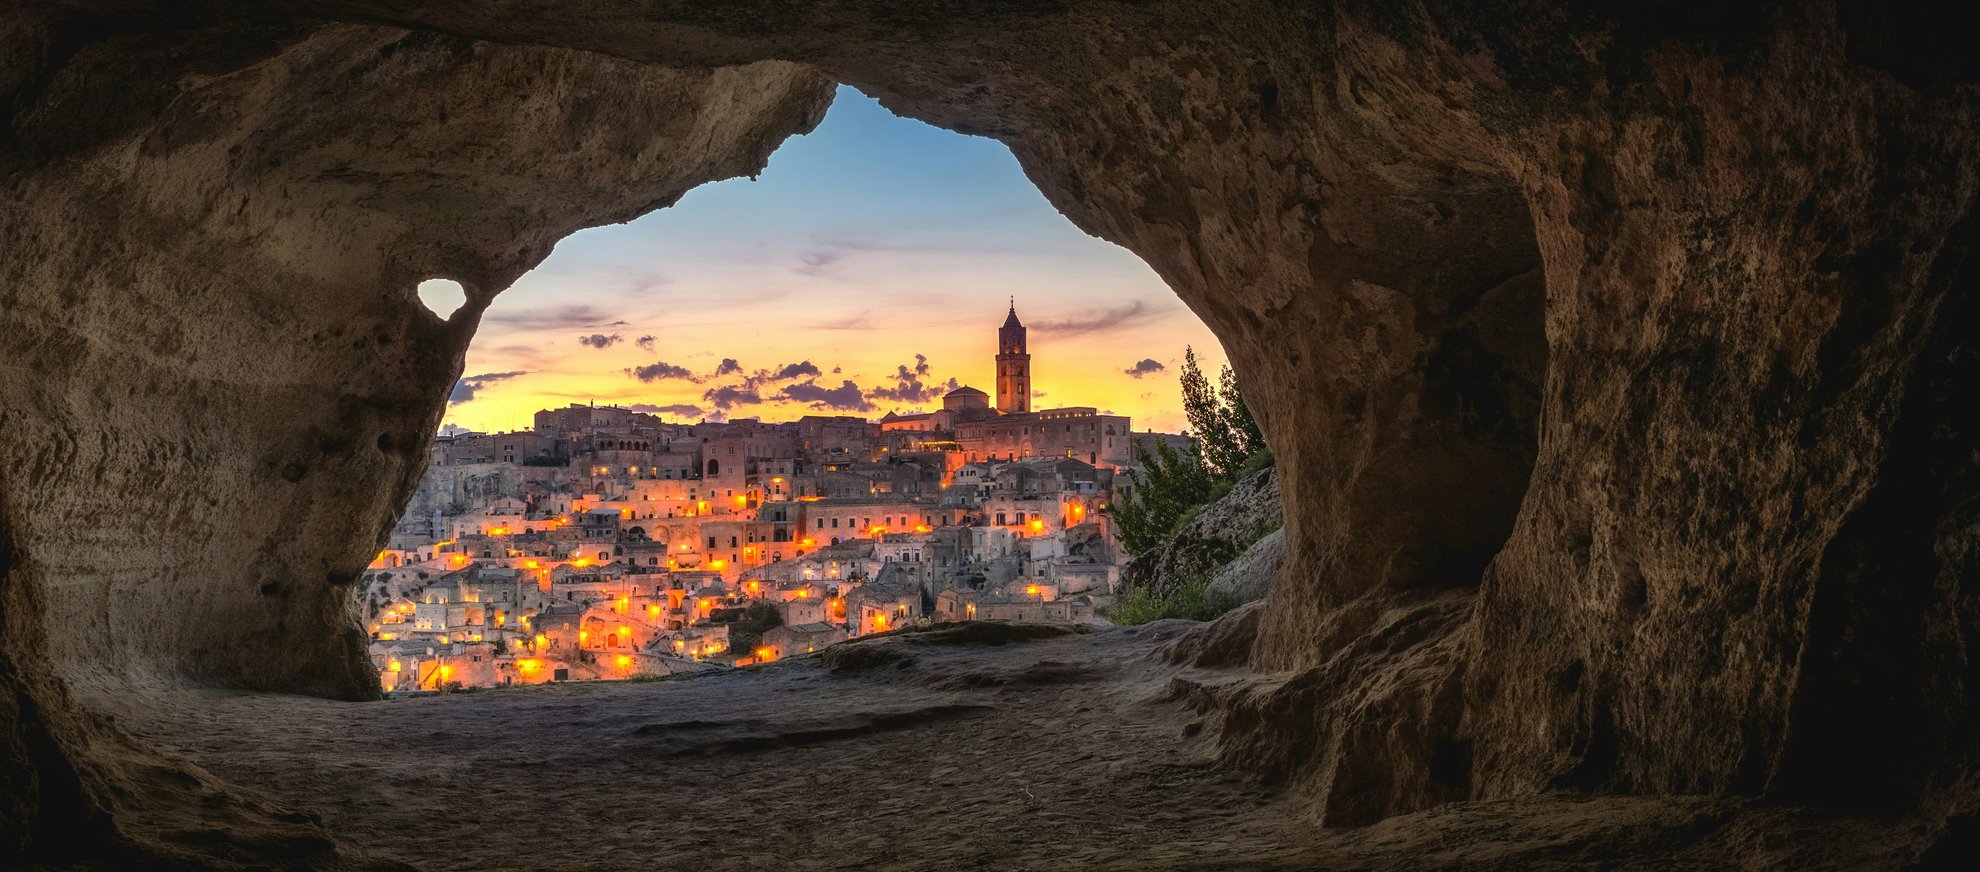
(442, 297)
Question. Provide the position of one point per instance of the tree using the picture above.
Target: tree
(1208, 421)
(1237, 415)
(1167, 485)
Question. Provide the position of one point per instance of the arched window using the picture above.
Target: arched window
(714, 467)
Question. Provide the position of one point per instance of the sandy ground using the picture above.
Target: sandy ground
(1050, 754)
(1061, 753)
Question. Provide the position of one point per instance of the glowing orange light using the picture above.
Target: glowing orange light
(803, 593)
(624, 661)
(742, 500)
(393, 666)
(1031, 589)
(581, 562)
(542, 640)
(625, 513)
(684, 546)
(880, 621)
(527, 665)
(766, 653)
(1037, 525)
(530, 564)
(653, 611)
(625, 631)
(584, 635)
(718, 564)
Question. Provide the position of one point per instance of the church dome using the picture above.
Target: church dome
(965, 397)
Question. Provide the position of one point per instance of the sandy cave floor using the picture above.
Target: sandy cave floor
(1062, 753)
(1044, 754)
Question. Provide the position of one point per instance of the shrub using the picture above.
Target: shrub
(1191, 599)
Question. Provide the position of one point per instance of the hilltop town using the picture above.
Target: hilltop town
(606, 543)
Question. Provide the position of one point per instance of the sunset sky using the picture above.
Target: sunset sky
(869, 265)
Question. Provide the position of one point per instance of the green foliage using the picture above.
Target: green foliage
(1191, 600)
(1207, 419)
(1238, 419)
(1219, 419)
(1167, 485)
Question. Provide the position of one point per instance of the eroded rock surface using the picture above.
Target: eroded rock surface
(1617, 358)
(1212, 546)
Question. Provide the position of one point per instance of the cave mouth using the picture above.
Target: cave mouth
(223, 387)
(726, 348)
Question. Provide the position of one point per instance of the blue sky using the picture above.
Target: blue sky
(863, 244)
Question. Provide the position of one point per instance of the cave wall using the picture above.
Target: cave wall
(220, 384)
(1612, 353)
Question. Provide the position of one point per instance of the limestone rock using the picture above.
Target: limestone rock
(1206, 546)
(1617, 356)
(1248, 577)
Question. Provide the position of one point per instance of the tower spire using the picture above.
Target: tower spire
(1013, 365)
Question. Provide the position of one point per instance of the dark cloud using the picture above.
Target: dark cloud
(791, 371)
(645, 342)
(600, 340)
(558, 318)
(465, 389)
(835, 370)
(678, 410)
(729, 365)
(661, 370)
(847, 397)
(910, 386)
(1131, 314)
(1039, 395)
(730, 396)
(1146, 366)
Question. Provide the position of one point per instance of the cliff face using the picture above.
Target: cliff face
(1613, 357)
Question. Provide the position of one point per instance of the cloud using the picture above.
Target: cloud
(1146, 366)
(861, 321)
(730, 396)
(791, 371)
(645, 342)
(1039, 395)
(600, 340)
(678, 410)
(1131, 314)
(465, 389)
(558, 318)
(847, 397)
(728, 365)
(813, 263)
(909, 386)
(661, 370)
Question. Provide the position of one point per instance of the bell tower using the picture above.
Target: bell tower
(1013, 366)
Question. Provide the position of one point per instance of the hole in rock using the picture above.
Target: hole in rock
(442, 297)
